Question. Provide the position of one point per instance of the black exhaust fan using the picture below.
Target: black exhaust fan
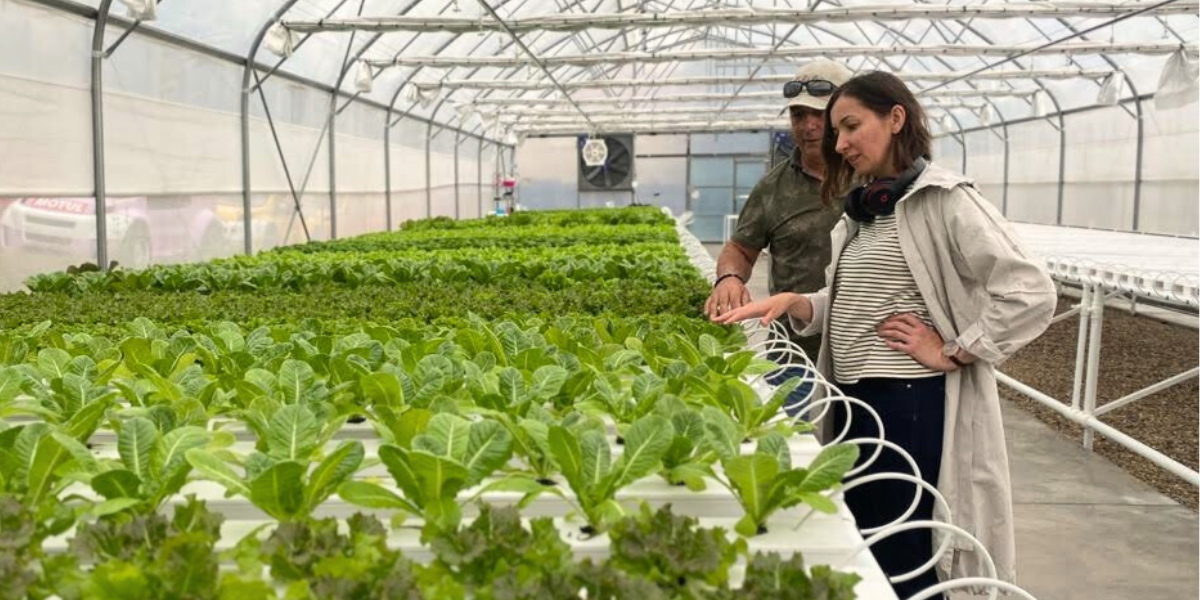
(616, 174)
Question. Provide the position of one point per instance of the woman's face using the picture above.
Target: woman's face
(864, 139)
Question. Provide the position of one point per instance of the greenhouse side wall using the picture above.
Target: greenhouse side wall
(47, 152)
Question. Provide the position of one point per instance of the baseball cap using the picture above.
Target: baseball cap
(827, 70)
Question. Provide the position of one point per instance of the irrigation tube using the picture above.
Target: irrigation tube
(1091, 422)
(933, 525)
(921, 485)
(973, 582)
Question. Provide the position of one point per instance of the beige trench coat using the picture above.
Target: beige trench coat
(984, 290)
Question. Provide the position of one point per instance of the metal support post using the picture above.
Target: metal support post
(1062, 160)
(428, 173)
(98, 182)
(479, 177)
(687, 172)
(1093, 364)
(457, 135)
(332, 166)
(247, 71)
(1084, 309)
(387, 168)
(1004, 202)
(1141, 151)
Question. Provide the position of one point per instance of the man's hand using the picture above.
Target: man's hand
(731, 293)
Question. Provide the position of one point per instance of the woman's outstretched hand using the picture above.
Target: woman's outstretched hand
(769, 309)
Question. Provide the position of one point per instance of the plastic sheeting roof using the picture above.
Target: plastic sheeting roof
(232, 25)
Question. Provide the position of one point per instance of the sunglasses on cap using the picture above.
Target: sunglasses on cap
(816, 87)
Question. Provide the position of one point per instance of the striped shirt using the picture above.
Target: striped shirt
(872, 283)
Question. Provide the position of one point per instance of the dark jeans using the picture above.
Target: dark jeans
(913, 412)
(792, 405)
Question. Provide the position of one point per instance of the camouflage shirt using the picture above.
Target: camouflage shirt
(784, 214)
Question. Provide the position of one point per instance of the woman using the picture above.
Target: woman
(928, 289)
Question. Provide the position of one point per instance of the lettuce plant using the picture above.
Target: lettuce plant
(672, 551)
(291, 479)
(144, 557)
(152, 467)
(771, 577)
(452, 454)
(688, 460)
(595, 478)
(765, 482)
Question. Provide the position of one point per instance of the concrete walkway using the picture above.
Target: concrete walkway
(1086, 529)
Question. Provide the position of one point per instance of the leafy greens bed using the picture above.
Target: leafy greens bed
(487, 357)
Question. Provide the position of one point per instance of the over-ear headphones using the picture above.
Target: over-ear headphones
(879, 197)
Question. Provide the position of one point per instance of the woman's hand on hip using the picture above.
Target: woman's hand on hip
(768, 310)
(910, 335)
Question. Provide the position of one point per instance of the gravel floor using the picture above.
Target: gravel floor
(1136, 352)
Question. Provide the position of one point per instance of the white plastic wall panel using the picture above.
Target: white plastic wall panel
(408, 157)
(468, 180)
(1033, 172)
(443, 201)
(45, 135)
(442, 169)
(45, 123)
(360, 213)
(1100, 164)
(407, 205)
(666, 177)
(660, 144)
(306, 151)
(299, 115)
(361, 200)
(487, 180)
(152, 147)
(549, 173)
(1170, 188)
(730, 143)
(359, 164)
(985, 164)
(948, 153)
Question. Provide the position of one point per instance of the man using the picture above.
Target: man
(785, 215)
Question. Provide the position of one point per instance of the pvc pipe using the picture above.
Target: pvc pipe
(1093, 363)
(1081, 345)
(1142, 393)
(1103, 429)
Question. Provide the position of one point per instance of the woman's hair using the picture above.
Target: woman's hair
(878, 92)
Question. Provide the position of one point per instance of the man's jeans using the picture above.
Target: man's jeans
(797, 397)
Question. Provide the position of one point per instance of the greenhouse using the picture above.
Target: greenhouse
(582, 299)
